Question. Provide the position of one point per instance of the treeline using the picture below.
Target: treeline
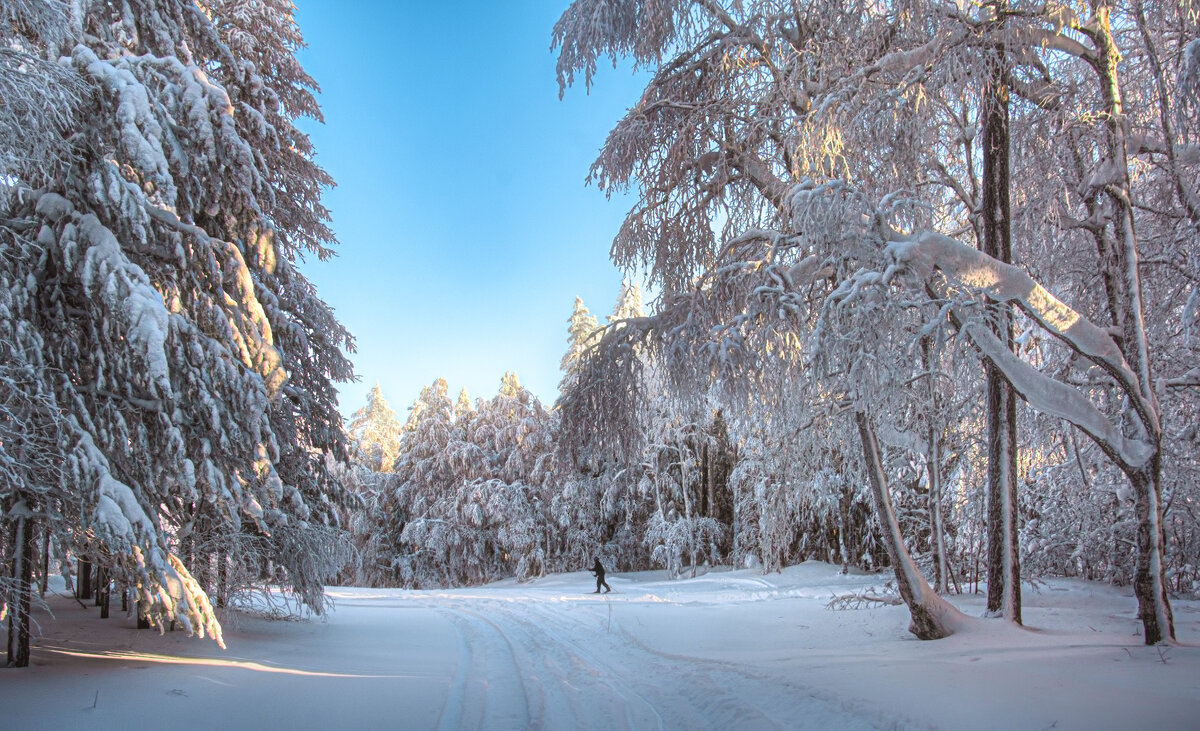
(471, 492)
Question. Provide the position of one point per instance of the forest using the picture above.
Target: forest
(926, 299)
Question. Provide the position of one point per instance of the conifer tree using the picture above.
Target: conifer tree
(375, 434)
(157, 304)
(629, 303)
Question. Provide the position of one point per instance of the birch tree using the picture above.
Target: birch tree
(748, 100)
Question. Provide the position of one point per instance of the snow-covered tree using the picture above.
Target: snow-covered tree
(582, 332)
(374, 433)
(404, 511)
(629, 303)
(469, 499)
(740, 149)
(190, 362)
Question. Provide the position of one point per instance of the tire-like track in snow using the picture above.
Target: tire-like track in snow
(547, 664)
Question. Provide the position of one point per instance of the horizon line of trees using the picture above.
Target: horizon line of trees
(464, 493)
(936, 259)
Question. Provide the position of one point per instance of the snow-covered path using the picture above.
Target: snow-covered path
(725, 650)
(560, 663)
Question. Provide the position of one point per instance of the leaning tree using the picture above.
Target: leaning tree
(803, 165)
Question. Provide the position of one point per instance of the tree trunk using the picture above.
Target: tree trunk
(932, 617)
(941, 561)
(101, 582)
(143, 614)
(24, 546)
(1004, 567)
(103, 597)
(84, 582)
(1149, 581)
(844, 525)
(222, 579)
(1142, 417)
(933, 469)
(45, 560)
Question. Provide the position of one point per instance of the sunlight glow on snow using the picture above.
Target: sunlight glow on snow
(1053, 312)
(211, 662)
(1048, 308)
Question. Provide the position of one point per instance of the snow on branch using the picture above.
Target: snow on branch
(921, 254)
(109, 273)
(120, 521)
(1056, 398)
(603, 410)
(589, 29)
(1187, 88)
(1006, 283)
(40, 102)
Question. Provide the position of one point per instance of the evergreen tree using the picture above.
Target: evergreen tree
(375, 433)
(629, 303)
(156, 299)
(581, 335)
(407, 533)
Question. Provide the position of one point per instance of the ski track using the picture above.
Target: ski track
(530, 665)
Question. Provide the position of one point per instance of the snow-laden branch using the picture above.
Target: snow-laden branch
(1006, 283)
(119, 520)
(1056, 398)
(925, 253)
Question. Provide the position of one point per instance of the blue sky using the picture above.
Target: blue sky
(465, 227)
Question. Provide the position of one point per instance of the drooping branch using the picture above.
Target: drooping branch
(923, 253)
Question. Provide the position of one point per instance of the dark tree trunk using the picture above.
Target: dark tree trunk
(222, 579)
(101, 583)
(1004, 567)
(143, 614)
(45, 560)
(103, 580)
(24, 547)
(83, 583)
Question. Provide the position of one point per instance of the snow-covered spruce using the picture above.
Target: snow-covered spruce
(158, 306)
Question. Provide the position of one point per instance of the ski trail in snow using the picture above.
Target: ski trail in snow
(612, 699)
(487, 691)
(451, 715)
(708, 694)
(530, 664)
(689, 703)
(567, 658)
(498, 645)
(514, 673)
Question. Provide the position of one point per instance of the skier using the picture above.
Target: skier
(598, 569)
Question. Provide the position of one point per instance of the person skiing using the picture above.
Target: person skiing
(598, 569)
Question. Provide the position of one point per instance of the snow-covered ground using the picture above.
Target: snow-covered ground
(728, 650)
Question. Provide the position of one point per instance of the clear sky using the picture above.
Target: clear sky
(465, 227)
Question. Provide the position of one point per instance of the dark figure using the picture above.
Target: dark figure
(598, 569)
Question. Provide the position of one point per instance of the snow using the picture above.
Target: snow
(729, 649)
